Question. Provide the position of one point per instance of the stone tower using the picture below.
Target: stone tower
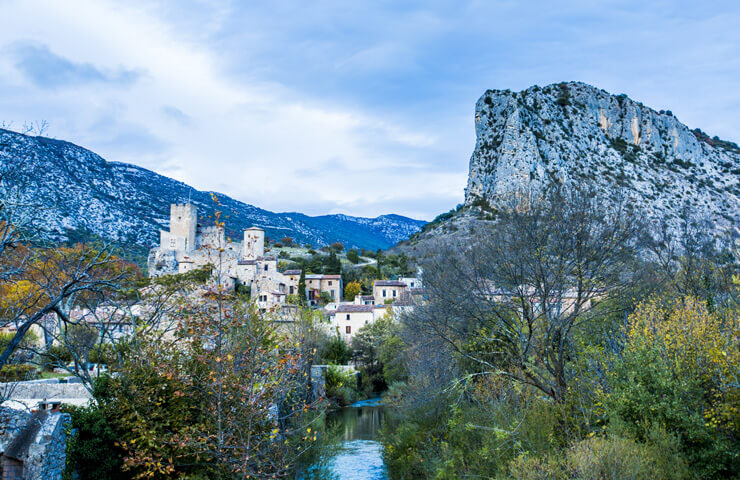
(183, 222)
(254, 243)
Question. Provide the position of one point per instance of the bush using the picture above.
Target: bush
(601, 458)
(92, 452)
(18, 373)
(340, 387)
(335, 351)
(103, 354)
(674, 374)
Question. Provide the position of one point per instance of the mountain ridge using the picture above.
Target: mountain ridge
(81, 193)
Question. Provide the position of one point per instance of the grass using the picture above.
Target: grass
(47, 375)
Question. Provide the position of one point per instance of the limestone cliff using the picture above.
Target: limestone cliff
(577, 133)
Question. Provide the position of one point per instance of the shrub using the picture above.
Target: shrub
(18, 373)
(675, 374)
(600, 458)
(340, 387)
(92, 452)
(335, 351)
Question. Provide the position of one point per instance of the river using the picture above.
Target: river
(360, 454)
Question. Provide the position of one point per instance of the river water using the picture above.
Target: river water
(360, 454)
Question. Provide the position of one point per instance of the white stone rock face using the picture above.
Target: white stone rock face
(583, 135)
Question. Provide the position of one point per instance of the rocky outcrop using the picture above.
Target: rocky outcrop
(577, 133)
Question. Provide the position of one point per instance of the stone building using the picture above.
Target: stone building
(33, 444)
(348, 319)
(188, 246)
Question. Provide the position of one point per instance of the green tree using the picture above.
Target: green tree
(678, 372)
(302, 288)
(335, 351)
(333, 265)
(353, 255)
(377, 349)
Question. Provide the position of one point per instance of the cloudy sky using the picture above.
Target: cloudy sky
(337, 106)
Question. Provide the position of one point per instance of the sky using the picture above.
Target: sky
(362, 108)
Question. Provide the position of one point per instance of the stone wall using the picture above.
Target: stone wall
(33, 444)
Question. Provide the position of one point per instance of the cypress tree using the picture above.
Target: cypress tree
(302, 288)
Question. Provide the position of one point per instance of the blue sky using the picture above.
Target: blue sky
(342, 107)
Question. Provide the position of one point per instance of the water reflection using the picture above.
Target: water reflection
(360, 455)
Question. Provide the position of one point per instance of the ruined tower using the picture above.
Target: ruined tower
(183, 223)
(254, 243)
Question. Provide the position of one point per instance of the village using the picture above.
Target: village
(249, 266)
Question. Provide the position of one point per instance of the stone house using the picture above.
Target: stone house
(316, 284)
(33, 444)
(348, 319)
(385, 290)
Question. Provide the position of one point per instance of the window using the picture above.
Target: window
(348, 316)
(412, 285)
(394, 293)
(348, 330)
(291, 290)
(383, 293)
(266, 267)
(330, 283)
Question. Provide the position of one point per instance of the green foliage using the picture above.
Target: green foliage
(353, 255)
(92, 451)
(18, 373)
(378, 348)
(335, 351)
(30, 338)
(341, 387)
(333, 265)
(671, 375)
(325, 298)
(601, 458)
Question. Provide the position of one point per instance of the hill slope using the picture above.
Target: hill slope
(83, 195)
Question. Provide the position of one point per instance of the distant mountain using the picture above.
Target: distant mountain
(81, 195)
(577, 134)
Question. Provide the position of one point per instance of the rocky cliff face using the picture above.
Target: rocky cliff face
(577, 133)
(79, 195)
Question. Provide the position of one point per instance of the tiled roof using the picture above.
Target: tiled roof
(255, 228)
(388, 283)
(355, 308)
(367, 297)
(246, 262)
(292, 272)
(323, 277)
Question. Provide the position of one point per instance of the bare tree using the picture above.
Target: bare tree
(507, 302)
(36, 279)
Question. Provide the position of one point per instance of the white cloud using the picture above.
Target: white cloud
(332, 106)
